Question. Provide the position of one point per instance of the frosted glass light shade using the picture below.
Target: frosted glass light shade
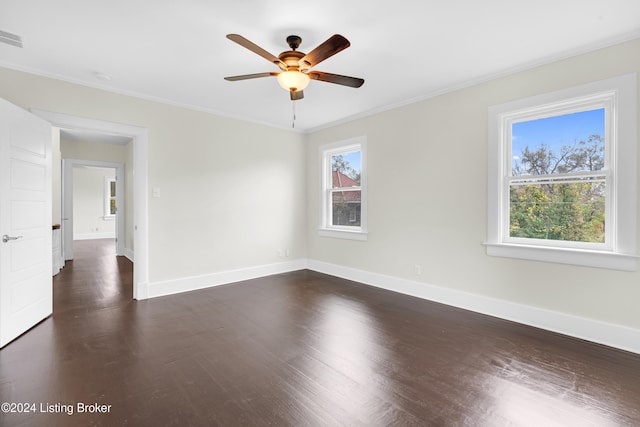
(293, 80)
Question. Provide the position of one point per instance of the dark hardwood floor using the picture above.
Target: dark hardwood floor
(297, 349)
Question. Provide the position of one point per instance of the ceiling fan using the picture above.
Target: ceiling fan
(296, 66)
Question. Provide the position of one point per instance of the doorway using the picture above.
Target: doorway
(87, 188)
(140, 238)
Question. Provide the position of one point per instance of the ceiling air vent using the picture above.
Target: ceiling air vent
(12, 39)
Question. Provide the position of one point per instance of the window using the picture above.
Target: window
(110, 208)
(562, 176)
(343, 204)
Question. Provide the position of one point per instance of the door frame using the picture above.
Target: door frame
(140, 143)
(68, 166)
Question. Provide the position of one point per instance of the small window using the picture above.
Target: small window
(562, 184)
(343, 190)
(110, 207)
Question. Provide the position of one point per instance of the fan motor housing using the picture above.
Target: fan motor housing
(291, 58)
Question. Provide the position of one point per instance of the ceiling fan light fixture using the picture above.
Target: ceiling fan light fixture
(295, 65)
(293, 80)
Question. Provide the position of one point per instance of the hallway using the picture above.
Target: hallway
(95, 279)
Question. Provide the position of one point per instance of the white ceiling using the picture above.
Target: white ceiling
(406, 50)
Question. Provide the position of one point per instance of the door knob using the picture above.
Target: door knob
(6, 238)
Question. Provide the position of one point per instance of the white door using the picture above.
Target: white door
(26, 293)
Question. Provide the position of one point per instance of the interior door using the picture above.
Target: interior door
(26, 294)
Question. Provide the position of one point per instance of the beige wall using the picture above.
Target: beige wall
(82, 150)
(232, 193)
(88, 203)
(430, 158)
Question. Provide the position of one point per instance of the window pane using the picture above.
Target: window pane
(346, 169)
(560, 144)
(346, 208)
(112, 207)
(112, 189)
(562, 211)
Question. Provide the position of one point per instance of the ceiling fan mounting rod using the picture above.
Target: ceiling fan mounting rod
(294, 42)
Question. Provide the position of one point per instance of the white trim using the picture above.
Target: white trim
(128, 253)
(141, 214)
(342, 234)
(185, 284)
(609, 334)
(620, 252)
(584, 257)
(140, 139)
(91, 236)
(325, 152)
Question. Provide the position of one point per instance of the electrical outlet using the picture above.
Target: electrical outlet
(418, 269)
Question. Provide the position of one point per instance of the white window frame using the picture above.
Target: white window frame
(107, 197)
(326, 228)
(618, 96)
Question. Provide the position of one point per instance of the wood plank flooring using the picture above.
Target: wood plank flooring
(298, 349)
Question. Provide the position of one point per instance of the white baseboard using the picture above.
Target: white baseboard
(91, 236)
(169, 287)
(141, 291)
(612, 335)
(128, 253)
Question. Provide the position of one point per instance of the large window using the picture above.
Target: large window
(562, 176)
(343, 205)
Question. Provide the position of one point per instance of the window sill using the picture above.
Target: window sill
(109, 218)
(588, 258)
(343, 234)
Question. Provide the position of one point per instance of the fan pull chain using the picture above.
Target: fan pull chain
(293, 111)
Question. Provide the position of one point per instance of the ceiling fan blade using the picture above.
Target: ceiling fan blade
(336, 78)
(330, 47)
(257, 49)
(296, 95)
(250, 76)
